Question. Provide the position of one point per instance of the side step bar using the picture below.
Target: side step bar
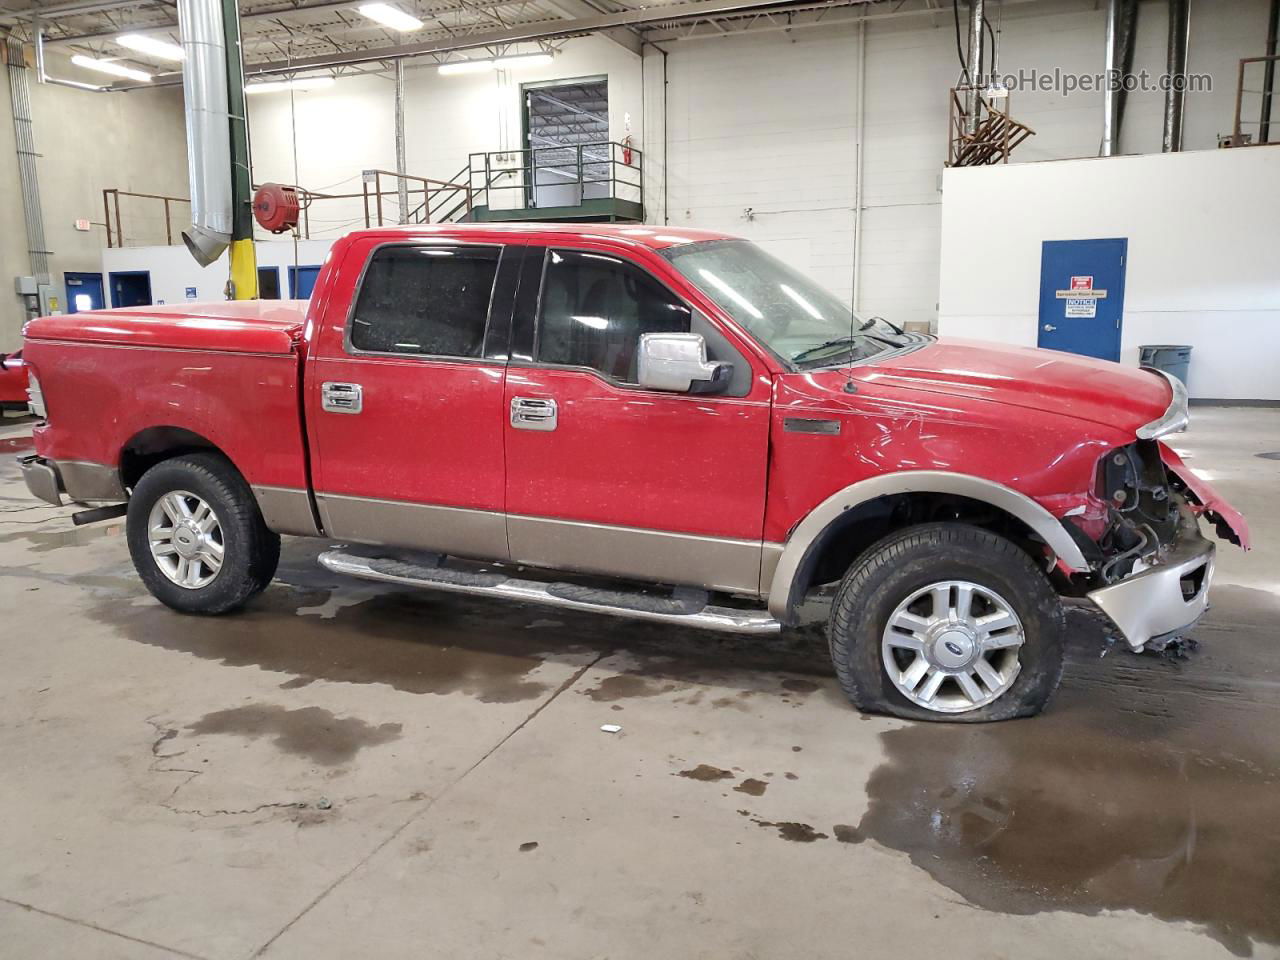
(688, 608)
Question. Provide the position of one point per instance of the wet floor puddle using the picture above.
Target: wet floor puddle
(1150, 785)
(403, 640)
(44, 541)
(310, 732)
(420, 641)
(1158, 794)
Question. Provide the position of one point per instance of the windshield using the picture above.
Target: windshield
(781, 307)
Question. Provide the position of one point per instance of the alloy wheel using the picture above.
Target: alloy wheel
(186, 539)
(952, 646)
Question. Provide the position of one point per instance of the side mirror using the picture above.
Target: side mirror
(678, 362)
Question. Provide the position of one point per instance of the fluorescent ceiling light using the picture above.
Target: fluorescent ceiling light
(300, 83)
(390, 16)
(157, 48)
(465, 66)
(109, 66)
(526, 60)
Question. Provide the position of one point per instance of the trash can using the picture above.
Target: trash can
(1172, 358)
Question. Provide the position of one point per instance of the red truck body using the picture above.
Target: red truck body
(13, 381)
(726, 491)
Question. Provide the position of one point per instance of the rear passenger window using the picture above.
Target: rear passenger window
(594, 309)
(425, 300)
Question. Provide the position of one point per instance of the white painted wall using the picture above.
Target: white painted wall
(350, 126)
(87, 142)
(768, 121)
(173, 270)
(1204, 251)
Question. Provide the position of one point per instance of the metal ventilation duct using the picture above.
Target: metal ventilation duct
(204, 92)
(1175, 96)
(24, 138)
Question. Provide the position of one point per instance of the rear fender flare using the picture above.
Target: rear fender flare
(782, 604)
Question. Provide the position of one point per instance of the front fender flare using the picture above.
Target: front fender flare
(809, 531)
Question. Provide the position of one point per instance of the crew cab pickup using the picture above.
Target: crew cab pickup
(653, 422)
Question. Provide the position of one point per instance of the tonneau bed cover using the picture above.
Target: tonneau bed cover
(229, 326)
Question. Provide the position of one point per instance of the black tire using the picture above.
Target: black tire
(892, 570)
(251, 552)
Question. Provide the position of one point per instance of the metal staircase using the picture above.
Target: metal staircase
(589, 182)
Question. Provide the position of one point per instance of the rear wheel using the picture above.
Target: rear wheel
(947, 622)
(196, 535)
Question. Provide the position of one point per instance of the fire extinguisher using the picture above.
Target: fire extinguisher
(626, 150)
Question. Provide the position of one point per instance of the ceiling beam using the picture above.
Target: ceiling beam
(543, 30)
(572, 9)
(70, 10)
(273, 13)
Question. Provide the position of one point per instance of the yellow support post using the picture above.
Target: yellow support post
(244, 270)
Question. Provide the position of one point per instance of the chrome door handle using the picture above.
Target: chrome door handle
(1050, 327)
(533, 413)
(341, 397)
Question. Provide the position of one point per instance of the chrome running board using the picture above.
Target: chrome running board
(685, 607)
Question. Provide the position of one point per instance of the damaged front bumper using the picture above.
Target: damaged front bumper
(1167, 597)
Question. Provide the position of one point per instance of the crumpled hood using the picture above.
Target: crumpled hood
(1044, 380)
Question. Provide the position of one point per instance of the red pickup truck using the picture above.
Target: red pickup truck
(652, 422)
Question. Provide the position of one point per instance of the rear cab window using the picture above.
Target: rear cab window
(424, 300)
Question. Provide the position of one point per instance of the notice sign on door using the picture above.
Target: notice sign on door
(1081, 297)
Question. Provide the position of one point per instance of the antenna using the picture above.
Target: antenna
(849, 385)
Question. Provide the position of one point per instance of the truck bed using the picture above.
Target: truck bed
(227, 375)
(244, 326)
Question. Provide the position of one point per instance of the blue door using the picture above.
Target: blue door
(1082, 296)
(302, 280)
(268, 283)
(130, 288)
(84, 291)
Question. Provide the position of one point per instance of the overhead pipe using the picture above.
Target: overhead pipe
(1176, 73)
(1125, 42)
(24, 141)
(402, 185)
(205, 100)
(42, 75)
(975, 66)
(1110, 118)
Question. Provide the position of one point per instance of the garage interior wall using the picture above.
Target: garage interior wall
(771, 152)
(1203, 231)
(782, 140)
(87, 142)
(760, 135)
(350, 126)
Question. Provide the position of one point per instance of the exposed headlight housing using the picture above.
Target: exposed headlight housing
(1175, 417)
(35, 396)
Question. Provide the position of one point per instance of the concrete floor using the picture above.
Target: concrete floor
(345, 770)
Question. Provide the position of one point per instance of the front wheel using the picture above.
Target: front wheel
(196, 535)
(947, 622)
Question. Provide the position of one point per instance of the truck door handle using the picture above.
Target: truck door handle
(1050, 327)
(533, 413)
(341, 397)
